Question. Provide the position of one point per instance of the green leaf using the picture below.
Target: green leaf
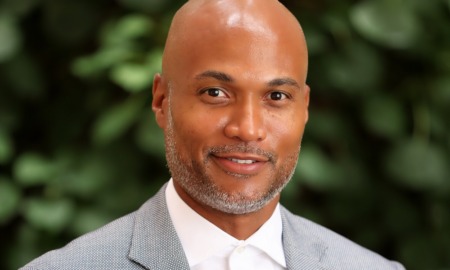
(356, 70)
(92, 65)
(50, 215)
(9, 199)
(418, 165)
(10, 38)
(88, 176)
(136, 77)
(33, 169)
(317, 170)
(132, 77)
(385, 116)
(114, 122)
(389, 23)
(6, 147)
(126, 30)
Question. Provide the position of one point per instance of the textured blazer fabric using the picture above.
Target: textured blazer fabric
(146, 239)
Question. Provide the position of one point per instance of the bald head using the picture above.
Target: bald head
(253, 23)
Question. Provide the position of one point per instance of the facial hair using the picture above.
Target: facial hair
(194, 179)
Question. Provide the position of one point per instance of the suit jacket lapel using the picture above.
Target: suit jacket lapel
(303, 251)
(155, 244)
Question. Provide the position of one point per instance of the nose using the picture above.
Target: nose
(246, 123)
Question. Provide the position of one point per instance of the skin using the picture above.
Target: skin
(233, 103)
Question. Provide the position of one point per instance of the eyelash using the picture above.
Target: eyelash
(285, 96)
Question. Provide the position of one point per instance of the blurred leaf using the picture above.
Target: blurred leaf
(132, 77)
(10, 38)
(317, 170)
(356, 70)
(98, 62)
(137, 77)
(418, 165)
(50, 215)
(117, 120)
(385, 116)
(33, 169)
(6, 147)
(9, 199)
(90, 174)
(127, 29)
(150, 137)
(389, 23)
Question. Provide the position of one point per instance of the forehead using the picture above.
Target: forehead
(243, 53)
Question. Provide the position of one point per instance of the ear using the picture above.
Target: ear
(160, 100)
(307, 90)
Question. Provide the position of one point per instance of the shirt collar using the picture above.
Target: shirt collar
(201, 239)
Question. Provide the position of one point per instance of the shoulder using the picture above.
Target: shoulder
(109, 247)
(332, 250)
(103, 248)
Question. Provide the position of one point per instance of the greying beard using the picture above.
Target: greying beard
(194, 180)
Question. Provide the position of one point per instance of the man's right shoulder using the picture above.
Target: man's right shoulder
(106, 247)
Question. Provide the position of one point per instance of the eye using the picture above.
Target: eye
(214, 92)
(277, 96)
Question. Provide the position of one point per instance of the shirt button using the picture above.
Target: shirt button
(240, 249)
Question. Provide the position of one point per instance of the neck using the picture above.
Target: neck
(241, 226)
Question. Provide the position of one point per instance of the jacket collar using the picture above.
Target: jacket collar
(302, 249)
(155, 244)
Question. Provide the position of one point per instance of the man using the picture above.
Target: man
(233, 102)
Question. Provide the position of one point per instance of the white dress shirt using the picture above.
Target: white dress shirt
(208, 247)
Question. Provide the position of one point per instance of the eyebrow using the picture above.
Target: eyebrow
(284, 81)
(221, 76)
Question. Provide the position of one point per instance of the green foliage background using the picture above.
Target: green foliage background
(79, 146)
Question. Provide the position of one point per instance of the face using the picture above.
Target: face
(234, 113)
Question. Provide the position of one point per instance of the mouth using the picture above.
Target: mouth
(242, 161)
(240, 164)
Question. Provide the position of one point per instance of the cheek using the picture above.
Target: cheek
(286, 131)
(195, 131)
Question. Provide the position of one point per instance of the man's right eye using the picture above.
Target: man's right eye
(215, 92)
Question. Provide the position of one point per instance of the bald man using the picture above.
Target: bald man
(232, 101)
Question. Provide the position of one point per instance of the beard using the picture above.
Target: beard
(194, 179)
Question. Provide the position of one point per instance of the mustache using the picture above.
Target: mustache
(241, 148)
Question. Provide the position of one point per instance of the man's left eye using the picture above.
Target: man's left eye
(277, 96)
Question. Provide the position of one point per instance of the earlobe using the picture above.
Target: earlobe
(159, 102)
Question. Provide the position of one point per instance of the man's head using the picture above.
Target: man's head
(232, 101)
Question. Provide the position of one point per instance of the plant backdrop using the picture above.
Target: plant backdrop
(79, 146)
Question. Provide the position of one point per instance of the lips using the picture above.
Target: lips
(241, 164)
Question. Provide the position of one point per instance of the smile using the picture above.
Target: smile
(242, 161)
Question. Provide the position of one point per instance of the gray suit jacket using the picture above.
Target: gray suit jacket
(146, 239)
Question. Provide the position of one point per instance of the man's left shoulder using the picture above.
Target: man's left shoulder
(332, 250)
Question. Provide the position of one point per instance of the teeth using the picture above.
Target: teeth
(242, 161)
